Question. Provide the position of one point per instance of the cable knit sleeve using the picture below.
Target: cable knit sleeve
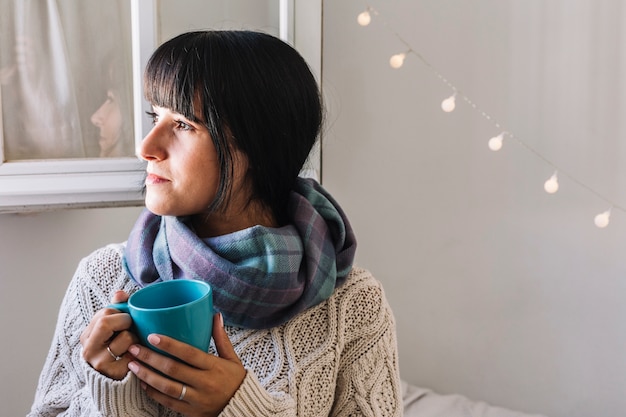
(68, 386)
(252, 399)
(368, 381)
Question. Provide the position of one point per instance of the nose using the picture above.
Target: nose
(151, 147)
(96, 118)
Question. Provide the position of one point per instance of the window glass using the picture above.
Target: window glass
(65, 79)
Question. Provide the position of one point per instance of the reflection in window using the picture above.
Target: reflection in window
(65, 79)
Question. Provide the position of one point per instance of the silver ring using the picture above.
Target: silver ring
(113, 355)
(182, 393)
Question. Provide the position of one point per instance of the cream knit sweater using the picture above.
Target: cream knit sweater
(338, 358)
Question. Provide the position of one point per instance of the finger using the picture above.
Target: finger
(172, 402)
(165, 365)
(211, 381)
(118, 347)
(110, 359)
(166, 388)
(103, 327)
(107, 326)
(86, 333)
(186, 369)
(119, 297)
(186, 353)
(89, 329)
(223, 345)
(115, 356)
(196, 357)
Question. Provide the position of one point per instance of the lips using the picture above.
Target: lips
(153, 179)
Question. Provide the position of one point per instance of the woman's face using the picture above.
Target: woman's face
(183, 170)
(183, 177)
(108, 118)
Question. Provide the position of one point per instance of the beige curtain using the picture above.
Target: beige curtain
(58, 60)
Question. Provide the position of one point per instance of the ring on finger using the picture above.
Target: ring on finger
(182, 393)
(113, 355)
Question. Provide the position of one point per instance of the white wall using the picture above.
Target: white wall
(502, 292)
(38, 256)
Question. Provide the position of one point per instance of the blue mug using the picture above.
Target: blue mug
(181, 309)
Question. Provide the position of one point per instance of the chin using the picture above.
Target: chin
(158, 207)
(163, 209)
(165, 204)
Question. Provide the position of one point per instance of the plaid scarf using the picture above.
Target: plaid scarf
(261, 277)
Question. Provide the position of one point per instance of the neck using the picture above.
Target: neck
(218, 224)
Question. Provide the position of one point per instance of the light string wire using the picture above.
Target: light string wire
(551, 186)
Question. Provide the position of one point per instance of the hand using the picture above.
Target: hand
(202, 386)
(109, 329)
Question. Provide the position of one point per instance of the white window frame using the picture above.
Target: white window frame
(37, 185)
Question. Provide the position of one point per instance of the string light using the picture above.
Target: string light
(364, 18)
(397, 60)
(495, 143)
(448, 105)
(552, 184)
(602, 220)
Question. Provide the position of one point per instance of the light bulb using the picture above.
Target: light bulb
(551, 185)
(448, 104)
(495, 143)
(602, 220)
(364, 18)
(397, 60)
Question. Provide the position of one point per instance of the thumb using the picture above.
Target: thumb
(223, 345)
(119, 297)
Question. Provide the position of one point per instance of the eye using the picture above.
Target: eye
(153, 117)
(182, 125)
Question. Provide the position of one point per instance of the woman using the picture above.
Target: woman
(112, 118)
(301, 332)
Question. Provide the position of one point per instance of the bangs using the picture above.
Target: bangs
(169, 80)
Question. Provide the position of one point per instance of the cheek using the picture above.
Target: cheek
(208, 183)
(114, 121)
(202, 181)
(110, 120)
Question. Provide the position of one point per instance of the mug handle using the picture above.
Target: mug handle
(123, 307)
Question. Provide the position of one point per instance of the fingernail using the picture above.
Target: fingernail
(134, 350)
(133, 367)
(154, 339)
(221, 319)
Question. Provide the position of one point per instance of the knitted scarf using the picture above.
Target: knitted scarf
(261, 276)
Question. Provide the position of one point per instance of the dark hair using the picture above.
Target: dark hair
(117, 79)
(257, 95)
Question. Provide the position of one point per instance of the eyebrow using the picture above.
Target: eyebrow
(193, 119)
